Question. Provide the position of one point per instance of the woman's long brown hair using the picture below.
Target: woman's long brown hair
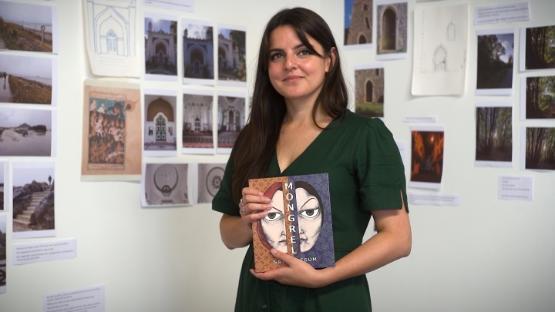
(256, 144)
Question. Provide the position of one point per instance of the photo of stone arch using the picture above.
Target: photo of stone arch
(26, 27)
(369, 92)
(392, 28)
(232, 55)
(166, 184)
(198, 47)
(358, 22)
(160, 123)
(209, 178)
(160, 46)
(231, 119)
(197, 121)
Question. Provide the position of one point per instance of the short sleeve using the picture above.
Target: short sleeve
(223, 200)
(380, 170)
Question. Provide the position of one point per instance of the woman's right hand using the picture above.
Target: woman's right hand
(253, 205)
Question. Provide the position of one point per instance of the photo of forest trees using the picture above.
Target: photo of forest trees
(540, 148)
(495, 61)
(540, 47)
(494, 134)
(540, 97)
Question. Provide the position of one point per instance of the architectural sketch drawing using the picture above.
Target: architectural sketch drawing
(111, 28)
(440, 49)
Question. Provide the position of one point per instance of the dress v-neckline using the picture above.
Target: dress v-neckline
(305, 151)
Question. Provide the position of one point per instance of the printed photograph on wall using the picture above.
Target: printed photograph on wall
(232, 64)
(25, 132)
(539, 52)
(231, 119)
(494, 135)
(198, 51)
(495, 63)
(160, 124)
(369, 92)
(26, 79)
(538, 98)
(358, 22)
(160, 46)
(165, 185)
(209, 178)
(111, 37)
(391, 27)
(2, 185)
(33, 199)
(3, 245)
(111, 131)
(26, 27)
(540, 148)
(427, 147)
(197, 123)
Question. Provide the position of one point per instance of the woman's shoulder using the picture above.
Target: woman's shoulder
(356, 122)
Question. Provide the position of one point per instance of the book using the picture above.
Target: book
(299, 223)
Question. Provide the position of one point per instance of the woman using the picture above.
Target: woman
(299, 124)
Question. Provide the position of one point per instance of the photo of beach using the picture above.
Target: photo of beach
(25, 79)
(25, 132)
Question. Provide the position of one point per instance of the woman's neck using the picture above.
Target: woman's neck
(299, 113)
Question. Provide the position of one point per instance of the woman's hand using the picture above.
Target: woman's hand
(253, 205)
(296, 272)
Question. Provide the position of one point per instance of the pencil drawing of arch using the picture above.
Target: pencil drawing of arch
(451, 32)
(113, 27)
(440, 59)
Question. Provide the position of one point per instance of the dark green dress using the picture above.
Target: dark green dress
(366, 174)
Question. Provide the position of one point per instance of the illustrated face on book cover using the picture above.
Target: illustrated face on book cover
(309, 218)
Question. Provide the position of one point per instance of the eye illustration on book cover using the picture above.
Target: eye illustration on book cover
(299, 223)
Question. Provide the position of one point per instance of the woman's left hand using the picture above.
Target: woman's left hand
(296, 272)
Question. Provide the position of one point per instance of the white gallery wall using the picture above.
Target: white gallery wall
(482, 255)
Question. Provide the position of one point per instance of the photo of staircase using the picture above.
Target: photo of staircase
(23, 220)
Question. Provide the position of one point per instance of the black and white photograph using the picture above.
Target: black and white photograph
(33, 199)
(494, 135)
(26, 27)
(209, 178)
(165, 184)
(160, 123)
(197, 123)
(231, 119)
(198, 51)
(495, 63)
(25, 132)
(26, 79)
(232, 63)
(160, 46)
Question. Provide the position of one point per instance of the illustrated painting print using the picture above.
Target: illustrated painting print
(106, 131)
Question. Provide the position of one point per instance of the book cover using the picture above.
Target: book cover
(299, 223)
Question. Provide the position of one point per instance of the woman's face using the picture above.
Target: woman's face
(309, 221)
(294, 71)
